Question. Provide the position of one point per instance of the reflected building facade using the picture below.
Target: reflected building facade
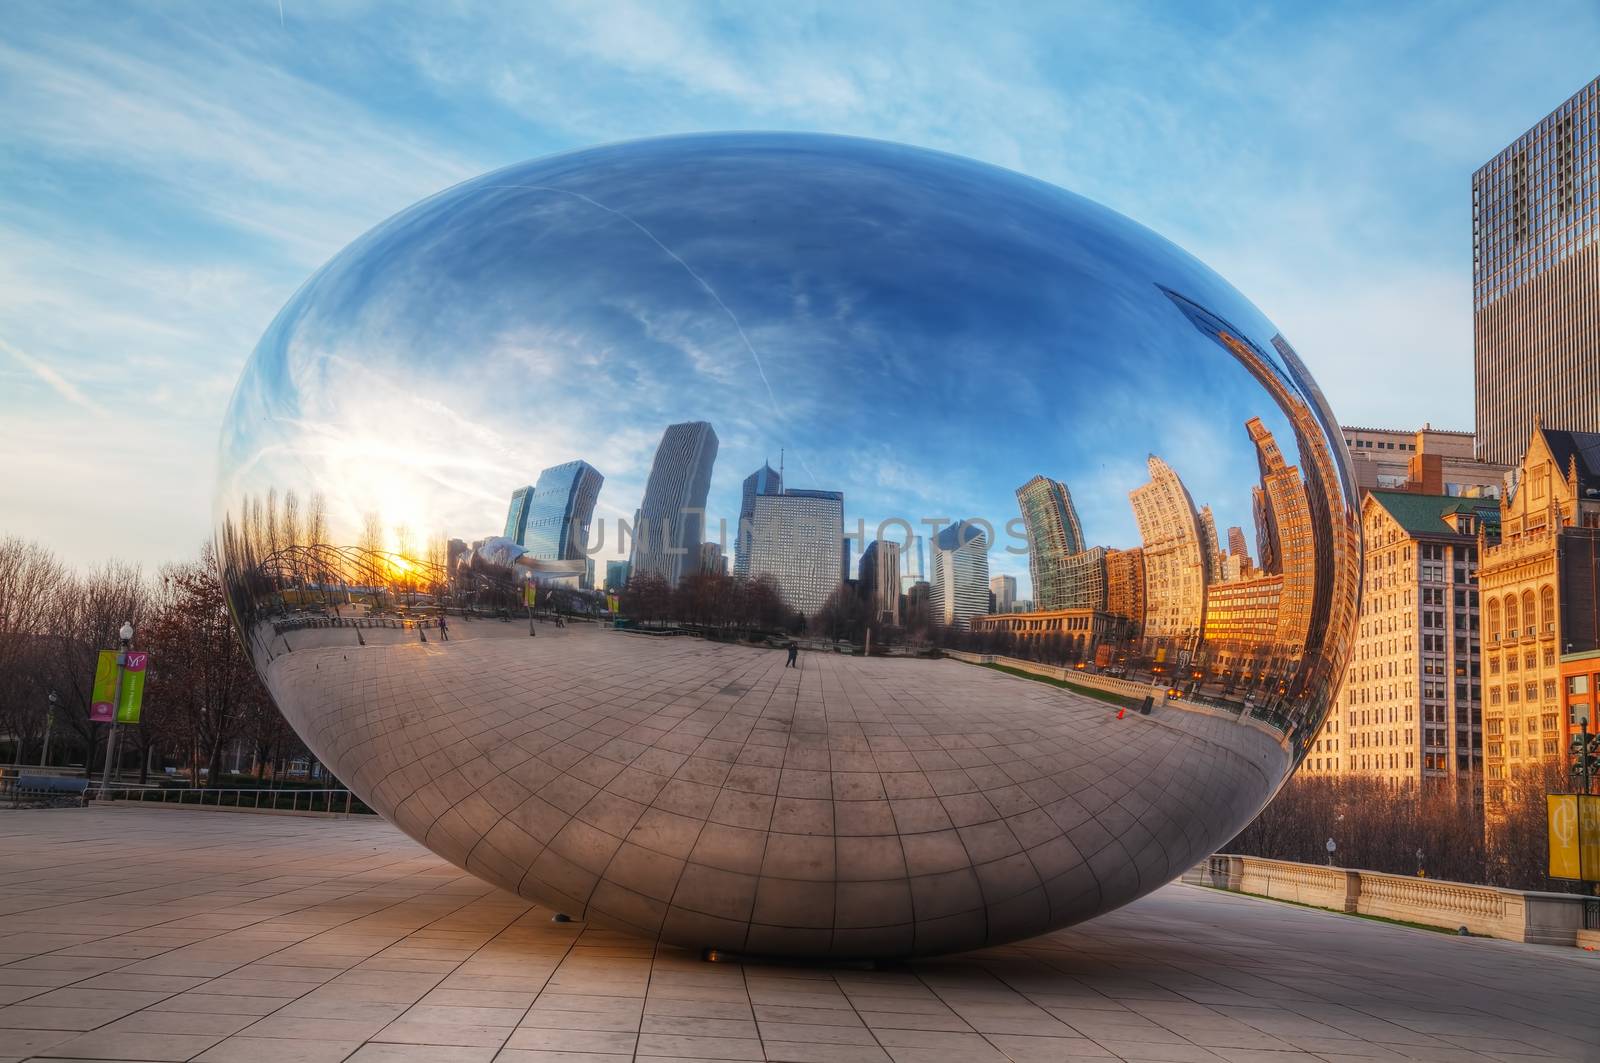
(764, 481)
(879, 580)
(1125, 589)
(796, 539)
(1292, 541)
(712, 563)
(670, 522)
(593, 756)
(913, 563)
(959, 589)
(1004, 590)
(1174, 564)
(552, 519)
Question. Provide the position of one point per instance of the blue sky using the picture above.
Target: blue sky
(170, 174)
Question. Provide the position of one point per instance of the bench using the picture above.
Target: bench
(49, 789)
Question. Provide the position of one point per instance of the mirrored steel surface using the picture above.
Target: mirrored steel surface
(697, 398)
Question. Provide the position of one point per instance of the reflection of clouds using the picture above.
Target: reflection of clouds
(919, 332)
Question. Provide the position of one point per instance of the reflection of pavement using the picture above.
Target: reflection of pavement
(705, 791)
(163, 934)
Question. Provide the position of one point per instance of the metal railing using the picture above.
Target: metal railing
(1591, 913)
(325, 802)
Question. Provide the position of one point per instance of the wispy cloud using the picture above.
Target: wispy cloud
(170, 175)
(57, 383)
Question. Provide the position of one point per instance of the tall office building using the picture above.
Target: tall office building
(1054, 536)
(517, 514)
(879, 580)
(1174, 563)
(913, 563)
(1536, 281)
(1409, 708)
(712, 563)
(552, 517)
(1210, 545)
(849, 549)
(959, 589)
(1236, 544)
(764, 481)
(670, 524)
(1004, 589)
(1125, 588)
(616, 576)
(795, 538)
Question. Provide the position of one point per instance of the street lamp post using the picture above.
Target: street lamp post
(49, 720)
(126, 635)
(1331, 847)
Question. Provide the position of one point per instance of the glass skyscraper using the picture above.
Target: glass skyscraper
(517, 515)
(552, 517)
(1536, 281)
(879, 580)
(764, 481)
(1065, 575)
(670, 523)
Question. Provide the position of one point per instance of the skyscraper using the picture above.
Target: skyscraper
(670, 523)
(1054, 536)
(1174, 563)
(764, 481)
(913, 563)
(1288, 514)
(1210, 545)
(1004, 589)
(711, 560)
(1536, 281)
(552, 518)
(795, 538)
(1125, 588)
(517, 514)
(616, 576)
(959, 589)
(1409, 708)
(879, 580)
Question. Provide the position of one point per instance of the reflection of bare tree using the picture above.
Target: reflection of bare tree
(712, 601)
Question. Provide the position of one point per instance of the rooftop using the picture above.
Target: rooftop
(165, 934)
(1424, 514)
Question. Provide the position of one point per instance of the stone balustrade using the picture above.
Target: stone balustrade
(1111, 684)
(1514, 915)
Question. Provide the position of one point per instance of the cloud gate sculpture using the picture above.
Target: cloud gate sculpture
(790, 545)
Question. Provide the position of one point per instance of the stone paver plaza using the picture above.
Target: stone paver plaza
(160, 934)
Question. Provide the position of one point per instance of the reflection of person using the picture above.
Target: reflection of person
(444, 628)
(794, 655)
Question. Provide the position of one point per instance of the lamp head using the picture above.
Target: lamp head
(125, 633)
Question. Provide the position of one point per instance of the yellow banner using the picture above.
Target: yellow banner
(1561, 821)
(101, 709)
(1589, 837)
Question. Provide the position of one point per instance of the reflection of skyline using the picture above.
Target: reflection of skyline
(832, 354)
